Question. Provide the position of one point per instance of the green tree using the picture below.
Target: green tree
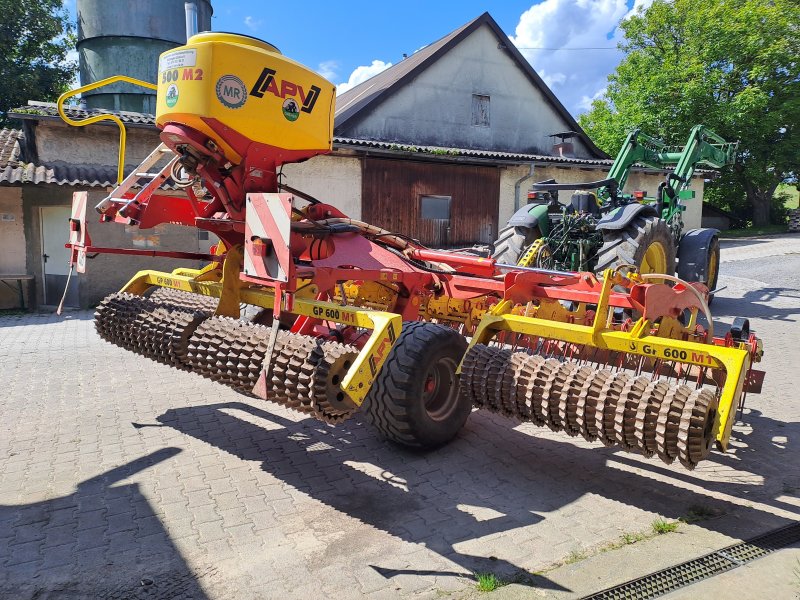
(733, 65)
(35, 37)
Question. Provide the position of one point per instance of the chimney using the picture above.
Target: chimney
(564, 148)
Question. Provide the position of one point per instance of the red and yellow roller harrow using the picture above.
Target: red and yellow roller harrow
(345, 315)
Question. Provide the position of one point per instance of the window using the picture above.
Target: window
(480, 110)
(434, 207)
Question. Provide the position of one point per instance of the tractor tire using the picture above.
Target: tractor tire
(512, 242)
(415, 399)
(646, 243)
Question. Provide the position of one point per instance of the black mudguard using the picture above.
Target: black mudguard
(693, 247)
(528, 216)
(621, 217)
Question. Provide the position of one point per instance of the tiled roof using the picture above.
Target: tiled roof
(339, 142)
(9, 147)
(37, 110)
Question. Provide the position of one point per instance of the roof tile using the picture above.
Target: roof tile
(49, 109)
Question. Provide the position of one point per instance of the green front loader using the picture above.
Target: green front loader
(603, 227)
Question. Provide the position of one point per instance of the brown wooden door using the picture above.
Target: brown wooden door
(441, 205)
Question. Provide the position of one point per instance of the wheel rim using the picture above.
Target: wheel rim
(439, 389)
(654, 259)
(711, 277)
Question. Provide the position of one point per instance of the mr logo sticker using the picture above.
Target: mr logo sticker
(231, 91)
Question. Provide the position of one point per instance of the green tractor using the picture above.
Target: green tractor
(602, 227)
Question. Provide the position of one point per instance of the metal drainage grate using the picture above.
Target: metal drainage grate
(672, 578)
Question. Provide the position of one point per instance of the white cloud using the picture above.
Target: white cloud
(328, 69)
(576, 76)
(361, 74)
(586, 102)
(252, 23)
(552, 79)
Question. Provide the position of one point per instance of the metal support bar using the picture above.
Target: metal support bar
(152, 253)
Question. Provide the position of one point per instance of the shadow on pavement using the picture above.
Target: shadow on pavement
(757, 305)
(426, 498)
(325, 465)
(102, 541)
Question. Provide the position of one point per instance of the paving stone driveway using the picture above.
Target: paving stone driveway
(123, 478)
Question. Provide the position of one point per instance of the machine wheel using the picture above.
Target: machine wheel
(415, 399)
(645, 243)
(512, 242)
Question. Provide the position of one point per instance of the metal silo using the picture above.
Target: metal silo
(125, 37)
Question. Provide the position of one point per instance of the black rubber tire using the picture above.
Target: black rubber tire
(512, 242)
(694, 263)
(396, 405)
(628, 246)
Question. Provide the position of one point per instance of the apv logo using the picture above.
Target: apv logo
(290, 92)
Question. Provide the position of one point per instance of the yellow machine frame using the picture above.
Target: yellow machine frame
(734, 360)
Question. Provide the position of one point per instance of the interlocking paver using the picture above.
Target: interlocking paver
(107, 475)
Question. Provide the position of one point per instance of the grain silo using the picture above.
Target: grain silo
(125, 37)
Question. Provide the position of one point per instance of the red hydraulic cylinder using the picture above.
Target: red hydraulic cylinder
(462, 263)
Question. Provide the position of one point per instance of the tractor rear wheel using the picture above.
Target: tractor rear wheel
(415, 399)
(646, 243)
(512, 242)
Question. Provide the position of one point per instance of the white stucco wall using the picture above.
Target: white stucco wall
(92, 145)
(12, 234)
(638, 180)
(436, 107)
(332, 179)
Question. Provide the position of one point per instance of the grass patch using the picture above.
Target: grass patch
(488, 582)
(754, 231)
(660, 526)
(792, 195)
(575, 556)
(631, 538)
(12, 312)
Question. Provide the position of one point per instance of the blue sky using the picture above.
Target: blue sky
(347, 41)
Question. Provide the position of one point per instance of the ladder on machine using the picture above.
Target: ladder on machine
(143, 171)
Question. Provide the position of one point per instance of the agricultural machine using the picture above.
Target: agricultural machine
(353, 317)
(603, 228)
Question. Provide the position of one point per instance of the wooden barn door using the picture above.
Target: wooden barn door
(441, 205)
